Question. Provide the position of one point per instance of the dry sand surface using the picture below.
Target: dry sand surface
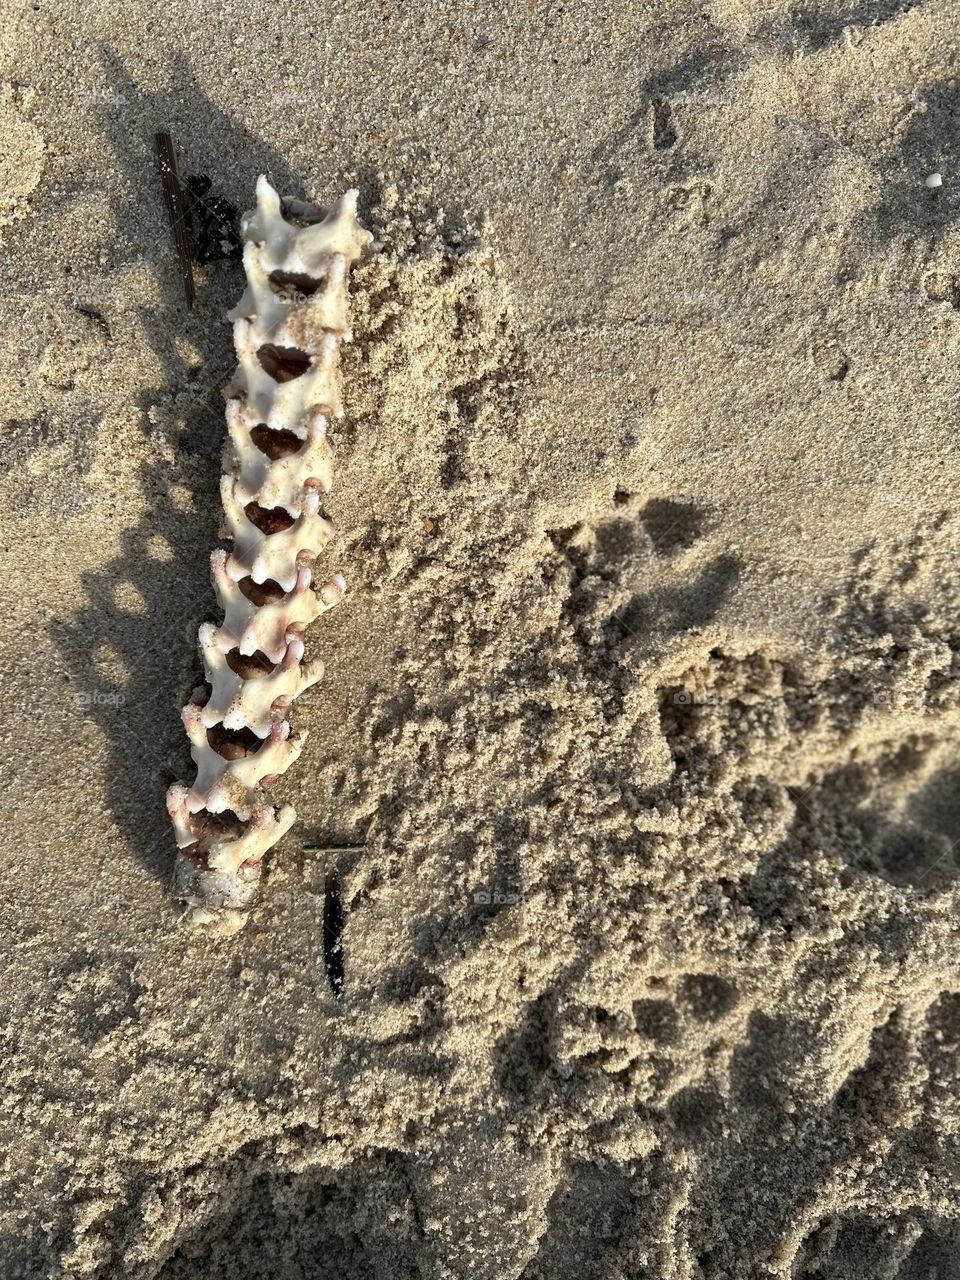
(641, 725)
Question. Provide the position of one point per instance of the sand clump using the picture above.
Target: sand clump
(22, 165)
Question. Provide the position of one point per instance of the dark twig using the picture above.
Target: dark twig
(333, 920)
(93, 313)
(176, 208)
(333, 848)
(333, 915)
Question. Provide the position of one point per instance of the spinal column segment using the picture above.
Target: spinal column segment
(287, 331)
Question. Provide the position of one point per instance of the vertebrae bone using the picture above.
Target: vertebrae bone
(287, 331)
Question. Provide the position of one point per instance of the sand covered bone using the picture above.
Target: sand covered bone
(288, 327)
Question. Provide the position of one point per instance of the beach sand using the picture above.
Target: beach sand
(636, 762)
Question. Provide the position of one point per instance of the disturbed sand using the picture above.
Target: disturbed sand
(641, 727)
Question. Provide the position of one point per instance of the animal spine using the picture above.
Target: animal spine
(287, 330)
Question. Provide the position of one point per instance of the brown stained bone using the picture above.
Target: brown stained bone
(269, 519)
(283, 364)
(249, 666)
(226, 824)
(290, 284)
(208, 827)
(303, 213)
(261, 593)
(194, 853)
(276, 443)
(234, 744)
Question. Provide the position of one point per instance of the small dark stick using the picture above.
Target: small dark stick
(333, 848)
(333, 916)
(176, 208)
(332, 930)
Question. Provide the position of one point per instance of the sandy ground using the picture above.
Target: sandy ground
(642, 716)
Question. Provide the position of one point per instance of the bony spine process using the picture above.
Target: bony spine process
(287, 332)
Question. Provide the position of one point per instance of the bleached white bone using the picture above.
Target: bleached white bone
(290, 323)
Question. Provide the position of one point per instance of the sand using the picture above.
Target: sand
(637, 758)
